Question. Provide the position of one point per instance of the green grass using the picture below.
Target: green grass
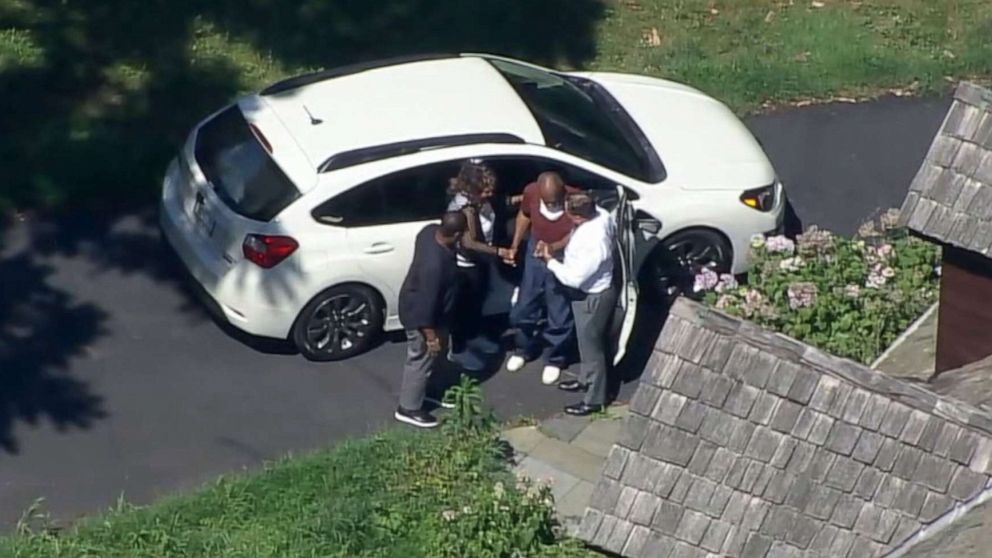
(752, 52)
(380, 497)
(100, 94)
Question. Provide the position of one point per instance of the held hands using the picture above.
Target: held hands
(542, 250)
(508, 255)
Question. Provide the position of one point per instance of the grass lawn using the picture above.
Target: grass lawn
(399, 494)
(98, 95)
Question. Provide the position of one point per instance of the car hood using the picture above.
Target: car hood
(702, 144)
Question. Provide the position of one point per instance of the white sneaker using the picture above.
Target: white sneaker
(515, 363)
(550, 375)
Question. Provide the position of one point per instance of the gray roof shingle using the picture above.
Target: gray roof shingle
(757, 445)
(950, 200)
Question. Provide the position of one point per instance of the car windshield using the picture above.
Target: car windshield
(241, 172)
(572, 120)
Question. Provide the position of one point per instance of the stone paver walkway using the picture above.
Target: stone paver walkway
(567, 452)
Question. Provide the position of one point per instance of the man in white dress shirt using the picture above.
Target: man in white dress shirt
(587, 268)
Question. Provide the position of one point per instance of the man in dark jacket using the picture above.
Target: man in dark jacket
(425, 306)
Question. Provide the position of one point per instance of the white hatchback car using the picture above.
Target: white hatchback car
(296, 208)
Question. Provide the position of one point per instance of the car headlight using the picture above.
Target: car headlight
(762, 199)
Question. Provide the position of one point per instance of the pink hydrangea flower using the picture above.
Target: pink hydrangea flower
(791, 264)
(875, 280)
(802, 295)
(727, 282)
(779, 245)
(706, 280)
(725, 301)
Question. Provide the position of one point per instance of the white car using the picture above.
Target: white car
(296, 208)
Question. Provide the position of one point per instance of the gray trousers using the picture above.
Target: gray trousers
(417, 369)
(592, 328)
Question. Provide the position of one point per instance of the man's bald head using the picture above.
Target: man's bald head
(551, 187)
(453, 225)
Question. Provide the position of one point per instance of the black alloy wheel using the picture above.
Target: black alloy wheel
(339, 323)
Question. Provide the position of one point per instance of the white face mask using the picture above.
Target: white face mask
(551, 215)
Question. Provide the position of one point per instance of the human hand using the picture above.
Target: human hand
(433, 346)
(543, 251)
(508, 255)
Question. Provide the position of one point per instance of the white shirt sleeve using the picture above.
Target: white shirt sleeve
(584, 256)
(574, 271)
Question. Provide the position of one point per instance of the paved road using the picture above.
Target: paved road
(113, 381)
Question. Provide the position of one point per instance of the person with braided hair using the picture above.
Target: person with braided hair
(471, 192)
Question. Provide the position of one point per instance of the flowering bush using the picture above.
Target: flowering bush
(851, 297)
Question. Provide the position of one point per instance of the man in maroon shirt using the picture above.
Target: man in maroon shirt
(542, 212)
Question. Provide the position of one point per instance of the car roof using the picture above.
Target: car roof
(393, 103)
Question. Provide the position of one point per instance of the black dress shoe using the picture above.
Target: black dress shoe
(573, 385)
(582, 409)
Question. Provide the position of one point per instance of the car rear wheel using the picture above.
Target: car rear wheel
(339, 323)
(679, 258)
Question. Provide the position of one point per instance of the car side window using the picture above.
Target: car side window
(514, 173)
(407, 196)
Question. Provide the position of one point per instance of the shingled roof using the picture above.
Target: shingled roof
(950, 200)
(742, 442)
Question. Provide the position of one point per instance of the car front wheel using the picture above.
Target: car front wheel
(339, 323)
(679, 258)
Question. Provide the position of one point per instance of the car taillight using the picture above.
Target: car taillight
(267, 251)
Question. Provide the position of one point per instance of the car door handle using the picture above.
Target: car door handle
(379, 248)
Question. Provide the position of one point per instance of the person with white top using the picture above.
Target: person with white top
(587, 269)
(471, 193)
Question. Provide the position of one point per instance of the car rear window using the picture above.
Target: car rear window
(240, 170)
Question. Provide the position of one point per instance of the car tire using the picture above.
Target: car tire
(673, 265)
(339, 323)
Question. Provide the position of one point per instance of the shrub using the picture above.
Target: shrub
(850, 297)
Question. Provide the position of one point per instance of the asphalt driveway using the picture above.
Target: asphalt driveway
(113, 380)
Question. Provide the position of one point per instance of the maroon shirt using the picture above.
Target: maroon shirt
(541, 229)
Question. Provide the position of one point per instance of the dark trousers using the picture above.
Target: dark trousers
(541, 296)
(593, 315)
(472, 340)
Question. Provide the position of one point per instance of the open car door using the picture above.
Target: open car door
(626, 311)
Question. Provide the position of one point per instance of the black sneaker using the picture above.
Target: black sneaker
(420, 418)
(573, 386)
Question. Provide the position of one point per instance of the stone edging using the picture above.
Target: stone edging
(913, 327)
